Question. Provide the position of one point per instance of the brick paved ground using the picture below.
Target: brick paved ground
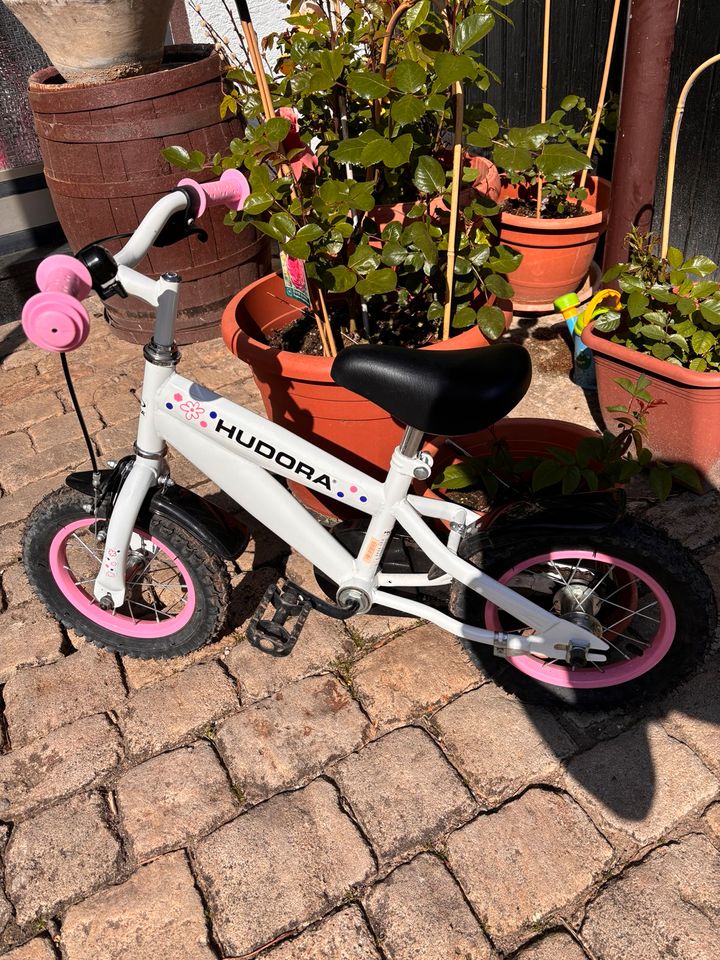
(372, 797)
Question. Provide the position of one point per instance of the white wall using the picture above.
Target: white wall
(267, 17)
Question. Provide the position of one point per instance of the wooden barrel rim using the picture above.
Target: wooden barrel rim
(196, 64)
(117, 133)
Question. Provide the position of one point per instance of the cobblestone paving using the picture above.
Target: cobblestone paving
(372, 797)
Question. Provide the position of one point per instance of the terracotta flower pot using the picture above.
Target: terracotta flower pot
(686, 429)
(557, 253)
(525, 437)
(299, 393)
(95, 41)
(487, 182)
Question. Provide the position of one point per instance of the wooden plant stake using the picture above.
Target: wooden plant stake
(326, 334)
(543, 91)
(454, 206)
(603, 87)
(677, 119)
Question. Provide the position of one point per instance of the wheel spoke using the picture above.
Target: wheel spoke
(637, 613)
(86, 547)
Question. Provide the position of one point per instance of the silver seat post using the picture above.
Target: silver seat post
(410, 443)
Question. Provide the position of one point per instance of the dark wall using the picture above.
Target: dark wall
(579, 34)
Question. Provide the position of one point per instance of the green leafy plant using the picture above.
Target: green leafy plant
(598, 463)
(546, 156)
(358, 135)
(669, 307)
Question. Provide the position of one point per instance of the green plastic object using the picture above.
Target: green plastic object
(566, 301)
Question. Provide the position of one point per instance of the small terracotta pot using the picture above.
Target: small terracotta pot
(299, 393)
(557, 253)
(487, 182)
(525, 437)
(686, 428)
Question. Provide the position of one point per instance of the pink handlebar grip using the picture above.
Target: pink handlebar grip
(54, 319)
(231, 190)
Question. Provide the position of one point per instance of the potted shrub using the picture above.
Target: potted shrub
(552, 212)
(666, 327)
(529, 459)
(351, 179)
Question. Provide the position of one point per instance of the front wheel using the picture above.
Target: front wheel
(632, 585)
(177, 592)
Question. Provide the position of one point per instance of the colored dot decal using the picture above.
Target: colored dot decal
(178, 397)
(203, 423)
(169, 406)
(340, 493)
(353, 489)
(363, 499)
(213, 415)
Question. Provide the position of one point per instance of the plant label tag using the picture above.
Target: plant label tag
(296, 284)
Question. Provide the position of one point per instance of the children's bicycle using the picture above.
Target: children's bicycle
(582, 604)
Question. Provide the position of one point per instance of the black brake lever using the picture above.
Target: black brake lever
(182, 224)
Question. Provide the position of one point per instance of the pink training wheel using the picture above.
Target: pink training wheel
(55, 319)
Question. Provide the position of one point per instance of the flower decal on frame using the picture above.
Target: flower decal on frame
(192, 409)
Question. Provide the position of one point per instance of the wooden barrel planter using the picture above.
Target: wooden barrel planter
(101, 149)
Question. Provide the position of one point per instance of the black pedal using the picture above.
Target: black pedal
(272, 636)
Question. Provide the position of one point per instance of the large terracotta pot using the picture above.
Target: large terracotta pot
(686, 428)
(299, 393)
(557, 253)
(94, 41)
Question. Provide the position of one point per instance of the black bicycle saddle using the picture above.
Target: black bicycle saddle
(438, 391)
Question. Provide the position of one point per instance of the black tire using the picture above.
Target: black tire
(665, 560)
(207, 572)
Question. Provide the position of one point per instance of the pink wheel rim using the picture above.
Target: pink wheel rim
(116, 622)
(612, 674)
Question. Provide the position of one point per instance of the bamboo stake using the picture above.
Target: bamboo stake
(393, 22)
(326, 336)
(454, 205)
(603, 87)
(543, 91)
(680, 109)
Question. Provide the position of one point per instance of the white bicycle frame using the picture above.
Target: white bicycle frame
(243, 454)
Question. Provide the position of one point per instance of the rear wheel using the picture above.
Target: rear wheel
(633, 586)
(177, 591)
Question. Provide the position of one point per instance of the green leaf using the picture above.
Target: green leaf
(710, 311)
(491, 322)
(407, 109)
(571, 480)
(472, 29)
(276, 129)
(435, 311)
(458, 476)
(675, 257)
(332, 62)
(699, 364)
(343, 279)
(310, 232)
(703, 341)
(418, 234)
(451, 67)
(409, 76)
(531, 137)
(299, 249)
(660, 481)
(257, 203)
(429, 175)
(417, 15)
(661, 350)
(704, 288)
(393, 253)
(284, 225)
(377, 281)
(499, 286)
(364, 259)
(653, 332)
(513, 159)
(179, 157)
(608, 321)
(561, 160)
(636, 304)
(369, 86)
(569, 103)
(687, 475)
(463, 317)
(547, 474)
(349, 151)
(700, 265)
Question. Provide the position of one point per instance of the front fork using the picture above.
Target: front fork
(161, 357)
